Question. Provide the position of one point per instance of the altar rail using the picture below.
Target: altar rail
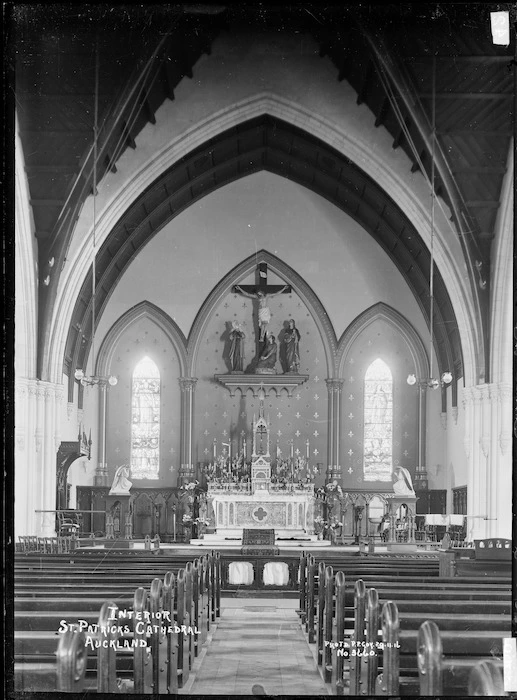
(490, 557)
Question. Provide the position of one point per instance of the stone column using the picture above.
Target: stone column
(39, 491)
(23, 458)
(101, 472)
(500, 461)
(487, 418)
(188, 387)
(334, 388)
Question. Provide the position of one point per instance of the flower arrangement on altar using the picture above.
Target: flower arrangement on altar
(320, 524)
(329, 491)
(335, 524)
(191, 486)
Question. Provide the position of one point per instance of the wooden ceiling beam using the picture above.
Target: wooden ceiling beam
(481, 169)
(363, 92)
(459, 57)
(47, 202)
(485, 203)
(401, 133)
(503, 133)
(383, 112)
(49, 168)
(468, 95)
(167, 80)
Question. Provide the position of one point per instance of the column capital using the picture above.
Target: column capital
(334, 385)
(187, 383)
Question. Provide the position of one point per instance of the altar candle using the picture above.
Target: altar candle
(215, 448)
(244, 448)
(292, 448)
(307, 443)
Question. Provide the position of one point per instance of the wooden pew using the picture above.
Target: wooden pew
(460, 650)
(459, 604)
(485, 677)
(65, 674)
(163, 649)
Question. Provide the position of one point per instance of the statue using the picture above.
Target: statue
(292, 348)
(264, 313)
(236, 353)
(121, 483)
(267, 359)
(403, 486)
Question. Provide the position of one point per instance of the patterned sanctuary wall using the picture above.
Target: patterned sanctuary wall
(143, 337)
(219, 416)
(378, 340)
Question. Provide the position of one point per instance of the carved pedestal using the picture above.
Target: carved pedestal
(402, 539)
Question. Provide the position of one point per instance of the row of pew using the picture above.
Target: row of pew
(376, 634)
(114, 627)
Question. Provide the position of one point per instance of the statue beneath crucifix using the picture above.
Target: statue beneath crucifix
(267, 358)
(236, 353)
(291, 342)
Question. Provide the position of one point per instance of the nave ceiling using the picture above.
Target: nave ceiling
(399, 59)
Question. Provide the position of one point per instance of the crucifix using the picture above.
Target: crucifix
(262, 291)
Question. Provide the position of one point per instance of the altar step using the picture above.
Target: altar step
(233, 539)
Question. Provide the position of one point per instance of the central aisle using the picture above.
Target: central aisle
(257, 641)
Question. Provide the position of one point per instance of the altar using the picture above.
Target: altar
(247, 495)
(289, 512)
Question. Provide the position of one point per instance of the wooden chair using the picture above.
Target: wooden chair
(67, 525)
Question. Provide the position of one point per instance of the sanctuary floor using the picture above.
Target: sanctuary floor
(257, 641)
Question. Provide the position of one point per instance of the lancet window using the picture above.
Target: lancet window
(145, 420)
(378, 422)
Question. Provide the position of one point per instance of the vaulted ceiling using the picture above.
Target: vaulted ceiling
(412, 65)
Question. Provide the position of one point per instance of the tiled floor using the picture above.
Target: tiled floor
(258, 641)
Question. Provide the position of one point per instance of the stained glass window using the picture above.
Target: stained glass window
(145, 420)
(378, 422)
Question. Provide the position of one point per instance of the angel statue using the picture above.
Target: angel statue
(121, 483)
(403, 486)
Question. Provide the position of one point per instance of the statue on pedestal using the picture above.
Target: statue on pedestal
(236, 353)
(121, 483)
(292, 348)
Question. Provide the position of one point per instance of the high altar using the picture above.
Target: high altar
(256, 502)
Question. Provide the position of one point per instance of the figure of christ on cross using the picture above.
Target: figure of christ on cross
(262, 291)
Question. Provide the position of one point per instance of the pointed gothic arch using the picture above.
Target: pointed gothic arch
(285, 272)
(143, 310)
(392, 317)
